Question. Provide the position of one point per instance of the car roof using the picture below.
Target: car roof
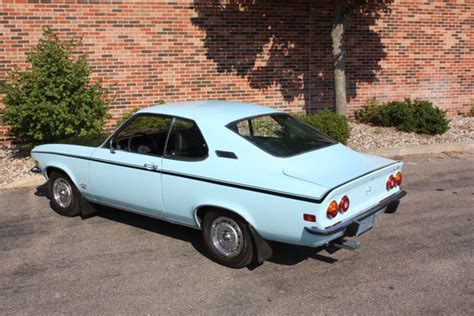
(211, 111)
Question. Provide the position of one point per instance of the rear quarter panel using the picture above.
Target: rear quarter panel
(274, 217)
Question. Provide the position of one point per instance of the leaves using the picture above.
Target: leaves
(55, 99)
(329, 123)
(419, 116)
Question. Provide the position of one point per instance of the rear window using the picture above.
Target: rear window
(280, 134)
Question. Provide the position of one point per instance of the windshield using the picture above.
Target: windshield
(280, 134)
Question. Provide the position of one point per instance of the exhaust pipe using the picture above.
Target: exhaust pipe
(346, 244)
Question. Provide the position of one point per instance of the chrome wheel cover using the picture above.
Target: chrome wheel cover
(226, 237)
(62, 192)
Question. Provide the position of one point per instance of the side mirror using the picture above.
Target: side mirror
(112, 146)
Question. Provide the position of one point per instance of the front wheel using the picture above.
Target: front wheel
(227, 239)
(64, 195)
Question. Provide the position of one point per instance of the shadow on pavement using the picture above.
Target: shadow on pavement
(153, 225)
(283, 254)
(43, 190)
(291, 255)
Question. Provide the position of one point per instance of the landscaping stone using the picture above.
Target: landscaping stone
(13, 167)
(364, 137)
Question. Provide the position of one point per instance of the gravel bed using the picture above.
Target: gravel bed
(13, 167)
(364, 136)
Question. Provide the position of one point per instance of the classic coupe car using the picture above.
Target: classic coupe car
(244, 174)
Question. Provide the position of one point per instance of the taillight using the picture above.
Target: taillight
(398, 178)
(333, 209)
(344, 204)
(391, 183)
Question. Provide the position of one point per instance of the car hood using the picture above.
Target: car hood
(332, 165)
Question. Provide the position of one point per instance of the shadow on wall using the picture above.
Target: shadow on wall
(288, 44)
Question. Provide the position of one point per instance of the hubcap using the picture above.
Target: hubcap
(226, 236)
(62, 192)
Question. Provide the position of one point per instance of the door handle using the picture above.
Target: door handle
(150, 166)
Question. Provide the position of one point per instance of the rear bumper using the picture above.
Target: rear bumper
(349, 224)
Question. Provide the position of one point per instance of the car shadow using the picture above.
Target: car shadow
(290, 255)
(283, 254)
(43, 190)
(187, 234)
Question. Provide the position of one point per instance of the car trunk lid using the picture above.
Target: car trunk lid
(332, 166)
(360, 176)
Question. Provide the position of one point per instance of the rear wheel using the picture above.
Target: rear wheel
(227, 239)
(64, 195)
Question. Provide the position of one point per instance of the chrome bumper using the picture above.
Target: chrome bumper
(351, 224)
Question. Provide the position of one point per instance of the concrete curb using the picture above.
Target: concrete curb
(423, 149)
(30, 181)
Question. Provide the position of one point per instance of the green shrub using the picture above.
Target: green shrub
(125, 116)
(54, 100)
(368, 112)
(329, 123)
(419, 116)
(428, 119)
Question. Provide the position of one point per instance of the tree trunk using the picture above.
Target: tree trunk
(339, 58)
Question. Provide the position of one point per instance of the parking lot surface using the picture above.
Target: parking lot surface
(419, 260)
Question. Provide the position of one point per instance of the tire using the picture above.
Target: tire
(227, 239)
(64, 195)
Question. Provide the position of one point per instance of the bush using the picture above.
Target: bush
(329, 123)
(368, 112)
(55, 99)
(419, 116)
(125, 116)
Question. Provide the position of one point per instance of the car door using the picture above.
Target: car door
(185, 156)
(125, 173)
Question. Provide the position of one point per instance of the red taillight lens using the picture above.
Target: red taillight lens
(344, 204)
(398, 178)
(333, 209)
(309, 217)
(391, 183)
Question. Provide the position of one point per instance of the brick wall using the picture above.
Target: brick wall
(276, 54)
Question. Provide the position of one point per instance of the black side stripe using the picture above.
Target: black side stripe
(218, 182)
(95, 159)
(245, 187)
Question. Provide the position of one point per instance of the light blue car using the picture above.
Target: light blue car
(243, 174)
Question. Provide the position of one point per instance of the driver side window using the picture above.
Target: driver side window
(145, 134)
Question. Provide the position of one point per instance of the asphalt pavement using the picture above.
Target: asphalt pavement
(419, 260)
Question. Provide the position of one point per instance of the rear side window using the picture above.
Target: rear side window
(186, 141)
(280, 134)
(243, 128)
